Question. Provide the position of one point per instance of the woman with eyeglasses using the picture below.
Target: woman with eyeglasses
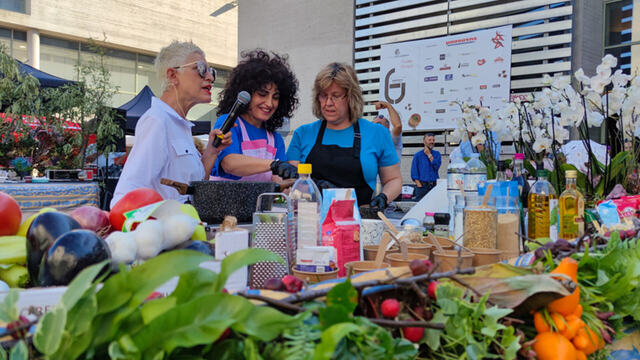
(164, 147)
(257, 152)
(344, 149)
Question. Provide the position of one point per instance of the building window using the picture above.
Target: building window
(14, 5)
(619, 37)
(15, 43)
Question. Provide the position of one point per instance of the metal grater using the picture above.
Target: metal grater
(271, 231)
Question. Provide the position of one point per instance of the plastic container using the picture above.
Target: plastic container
(458, 233)
(508, 226)
(307, 201)
(475, 173)
(441, 227)
(455, 179)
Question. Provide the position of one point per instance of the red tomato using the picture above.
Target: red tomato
(134, 199)
(10, 214)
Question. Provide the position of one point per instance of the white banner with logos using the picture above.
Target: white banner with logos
(422, 78)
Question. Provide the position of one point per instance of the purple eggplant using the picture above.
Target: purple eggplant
(70, 254)
(42, 233)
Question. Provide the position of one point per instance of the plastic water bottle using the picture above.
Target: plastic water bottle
(475, 174)
(307, 201)
(455, 179)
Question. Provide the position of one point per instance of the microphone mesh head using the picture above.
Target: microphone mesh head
(244, 97)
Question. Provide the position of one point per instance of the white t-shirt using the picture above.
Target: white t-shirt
(163, 149)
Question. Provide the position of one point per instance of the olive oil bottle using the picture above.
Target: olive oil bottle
(571, 205)
(543, 208)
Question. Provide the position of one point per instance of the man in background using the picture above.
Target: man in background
(425, 166)
(396, 130)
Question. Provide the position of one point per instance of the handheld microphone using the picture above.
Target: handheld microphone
(243, 99)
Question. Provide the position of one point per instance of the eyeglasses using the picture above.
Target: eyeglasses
(202, 68)
(333, 98)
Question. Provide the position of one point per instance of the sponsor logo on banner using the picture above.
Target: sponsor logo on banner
(441, 91)
(445, 67)
(454, 90)
(442, 101)
(442, 56)
(499, 59)
(427, 102)
(463, 65)
(397, 52)
(483, 87)
(448, 77)
(496, 98)
(481, 62)
(495, 86)
(430, 78)
(469, 88)
(393, 85)
(497, 40)
(469, 75)
(465, 54)
(440, 111)
(465, 40)
(428, 67)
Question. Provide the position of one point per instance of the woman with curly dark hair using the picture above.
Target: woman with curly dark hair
(257, 152)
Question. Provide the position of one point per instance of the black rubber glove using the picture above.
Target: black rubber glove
(284, 169)
(380, 201)
(324, 184)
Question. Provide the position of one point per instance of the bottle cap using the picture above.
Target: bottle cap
(429, 213)
(571, 174)
(304, 168)
(518, 156)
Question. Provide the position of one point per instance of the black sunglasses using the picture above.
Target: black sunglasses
(202, 69)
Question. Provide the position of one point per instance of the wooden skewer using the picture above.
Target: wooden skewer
(388, 223)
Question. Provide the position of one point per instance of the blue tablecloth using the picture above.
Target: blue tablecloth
(62, 196)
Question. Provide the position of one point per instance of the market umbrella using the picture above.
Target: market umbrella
(577, 154)
(45, 79)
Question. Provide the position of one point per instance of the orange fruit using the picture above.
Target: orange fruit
(540, 323)
(588, 341)
(566, 305)
(553, 346)
(569, 267)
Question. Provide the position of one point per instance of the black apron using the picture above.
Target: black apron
(340, 166)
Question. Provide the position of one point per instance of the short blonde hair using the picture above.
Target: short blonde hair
(175, 54)
(345, 76)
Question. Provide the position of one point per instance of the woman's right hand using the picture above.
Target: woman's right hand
(226, 140)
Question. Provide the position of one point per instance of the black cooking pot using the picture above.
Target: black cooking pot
(216, 199)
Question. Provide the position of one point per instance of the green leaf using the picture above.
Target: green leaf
(79, 320)
(239, 259)
(344, 295)
(138, 283)
(193, 284)
(154, 308)
(200, 321)
(251, 350)
(19, 351)
(124, 349)
(123, 293)
(49, 330)
(433, 335)
(510, 343)
(332, 315)
(330, 339)
(80, 284)
(8, 306)
(266, 323)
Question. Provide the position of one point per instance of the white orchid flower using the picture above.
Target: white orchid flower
(609, 61)
(581, 77)
(594, 118)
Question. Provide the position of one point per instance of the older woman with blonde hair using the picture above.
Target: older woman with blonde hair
(164, 147)
(344, 149)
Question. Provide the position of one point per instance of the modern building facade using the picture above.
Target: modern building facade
(53, 36)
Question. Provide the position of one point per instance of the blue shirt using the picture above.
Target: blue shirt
(376, 148)
(423, 169)
(466, 150)
(236, 135)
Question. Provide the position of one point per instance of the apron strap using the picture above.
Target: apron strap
(245, 134)
(356, 140)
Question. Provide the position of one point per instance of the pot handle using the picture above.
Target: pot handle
(183, 189)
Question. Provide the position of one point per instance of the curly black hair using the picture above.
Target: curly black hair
(256, 70)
